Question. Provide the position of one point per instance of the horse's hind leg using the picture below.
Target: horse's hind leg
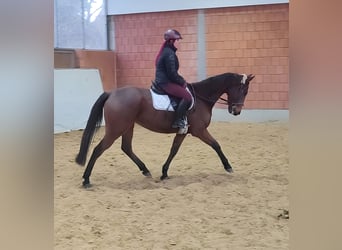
(104, 144)
(177, 142)
(126, 146)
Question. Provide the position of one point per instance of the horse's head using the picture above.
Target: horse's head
(237, 93)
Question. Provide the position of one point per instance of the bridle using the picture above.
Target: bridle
(225, 101)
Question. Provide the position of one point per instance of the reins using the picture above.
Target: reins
(226, 102)
(192, 89)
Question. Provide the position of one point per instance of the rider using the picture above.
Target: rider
(168, 79)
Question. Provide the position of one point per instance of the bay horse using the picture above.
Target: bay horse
(123, 107)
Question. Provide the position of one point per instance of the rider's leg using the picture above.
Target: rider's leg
(180, 114)
(180, 92)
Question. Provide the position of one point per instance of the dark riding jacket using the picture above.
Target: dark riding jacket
(167, 67)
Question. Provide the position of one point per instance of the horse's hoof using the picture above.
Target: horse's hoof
(86, 185)
(147, 174)
(229, 170)
(164, 177)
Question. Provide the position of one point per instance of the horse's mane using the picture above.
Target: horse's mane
(216, 78)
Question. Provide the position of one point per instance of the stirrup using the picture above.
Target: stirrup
(182, 125)
(183, 131)
(179, 124)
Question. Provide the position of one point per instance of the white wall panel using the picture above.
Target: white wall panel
(75, 91)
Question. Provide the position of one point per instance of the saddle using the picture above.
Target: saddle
(162, 101)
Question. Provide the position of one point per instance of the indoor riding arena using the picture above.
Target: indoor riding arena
(200, 206)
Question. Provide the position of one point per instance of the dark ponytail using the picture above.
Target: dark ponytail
(160, 51)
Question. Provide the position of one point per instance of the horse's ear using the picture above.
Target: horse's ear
(250, 77)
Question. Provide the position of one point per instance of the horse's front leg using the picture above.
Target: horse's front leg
(177, 142)
(206, 137)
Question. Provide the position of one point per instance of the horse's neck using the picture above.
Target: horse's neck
(210, 90)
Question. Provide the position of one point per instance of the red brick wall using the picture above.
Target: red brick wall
(251, 39)
(138, 38)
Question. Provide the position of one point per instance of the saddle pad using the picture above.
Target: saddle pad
(162, 102)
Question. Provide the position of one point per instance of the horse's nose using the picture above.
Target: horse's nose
(236, 110)
(230, 109)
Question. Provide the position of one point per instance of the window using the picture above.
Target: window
(80, 24)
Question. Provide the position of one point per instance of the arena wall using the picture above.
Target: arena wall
(104, 61)
(248, 39)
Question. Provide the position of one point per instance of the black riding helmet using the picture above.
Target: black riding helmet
(172, 34)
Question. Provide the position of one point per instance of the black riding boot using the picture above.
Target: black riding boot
(180, 114)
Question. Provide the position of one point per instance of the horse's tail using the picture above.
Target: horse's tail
(93, 124)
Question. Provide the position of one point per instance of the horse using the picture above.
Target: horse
(125, 106)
